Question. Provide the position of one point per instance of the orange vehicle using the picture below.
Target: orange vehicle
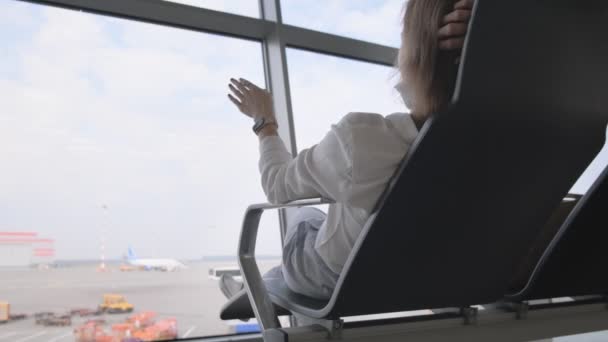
(127, 268)
(142, 319)
(161, 331)
(91, 331)
(105, 338)
(167, 329)
(5, 312)
(122, 331)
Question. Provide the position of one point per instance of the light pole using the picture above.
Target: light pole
(102, 264)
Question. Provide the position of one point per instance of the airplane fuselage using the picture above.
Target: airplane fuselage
(168, 265)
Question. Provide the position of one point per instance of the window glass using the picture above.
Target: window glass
(125, 172)
(326, 88)
(249, 8)
(377, 21)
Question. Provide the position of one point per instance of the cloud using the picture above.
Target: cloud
(242, 7)
(105, 114)
(377, 21)
(17, 15)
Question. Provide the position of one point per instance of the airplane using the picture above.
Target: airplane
(166, 265)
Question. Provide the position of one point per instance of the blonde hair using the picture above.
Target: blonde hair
(427, 72)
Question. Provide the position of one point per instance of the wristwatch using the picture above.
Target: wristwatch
(260, 123)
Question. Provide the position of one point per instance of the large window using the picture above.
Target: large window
(125, 169)
(120, 149)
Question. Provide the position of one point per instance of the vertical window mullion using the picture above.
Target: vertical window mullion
(277, 81)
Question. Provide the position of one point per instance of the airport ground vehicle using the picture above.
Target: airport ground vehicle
(6, 316)
(115, 303)
(17, 317)
(142, 319)
(52, 319)
(39, 317)
(139, 327)
(128, 268)
(89, 331)
(4, 312)
(84, 312)
(160, 331)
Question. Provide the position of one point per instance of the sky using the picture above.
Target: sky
(122, 129)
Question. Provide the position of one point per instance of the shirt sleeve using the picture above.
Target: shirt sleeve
(324, 170)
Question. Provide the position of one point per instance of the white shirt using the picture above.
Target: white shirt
(351, 165)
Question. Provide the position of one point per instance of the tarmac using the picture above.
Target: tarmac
(191, 296)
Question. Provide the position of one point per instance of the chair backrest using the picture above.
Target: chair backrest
(528, 116)
(576, 262)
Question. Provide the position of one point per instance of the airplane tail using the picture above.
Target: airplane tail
(131, 255)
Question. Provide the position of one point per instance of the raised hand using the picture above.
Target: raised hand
(251, 100)
(454, 26)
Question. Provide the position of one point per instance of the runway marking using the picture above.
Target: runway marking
(189, 331)
(31, 336)
(2, 337)
(60, 337)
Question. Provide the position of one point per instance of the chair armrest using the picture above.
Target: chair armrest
(256, 290)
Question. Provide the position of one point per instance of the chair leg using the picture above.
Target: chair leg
(333, 327)
(469, 314)
(275, 335)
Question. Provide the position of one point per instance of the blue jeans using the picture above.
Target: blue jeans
(303, 269)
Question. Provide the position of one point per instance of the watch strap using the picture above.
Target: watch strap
(260, 123)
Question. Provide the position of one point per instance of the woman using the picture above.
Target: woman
(355, 160)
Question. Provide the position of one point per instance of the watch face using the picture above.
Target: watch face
(258, 123)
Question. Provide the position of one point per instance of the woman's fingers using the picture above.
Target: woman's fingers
(452, 30)
(247, 83)
(250, 99)
(236, 102)
(454, 26)
(464, 4)
(457, 16)
(239, 85)
(451, 44)
(237, 92)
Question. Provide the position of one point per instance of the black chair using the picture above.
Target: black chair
(576, 260)
(481, 179)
